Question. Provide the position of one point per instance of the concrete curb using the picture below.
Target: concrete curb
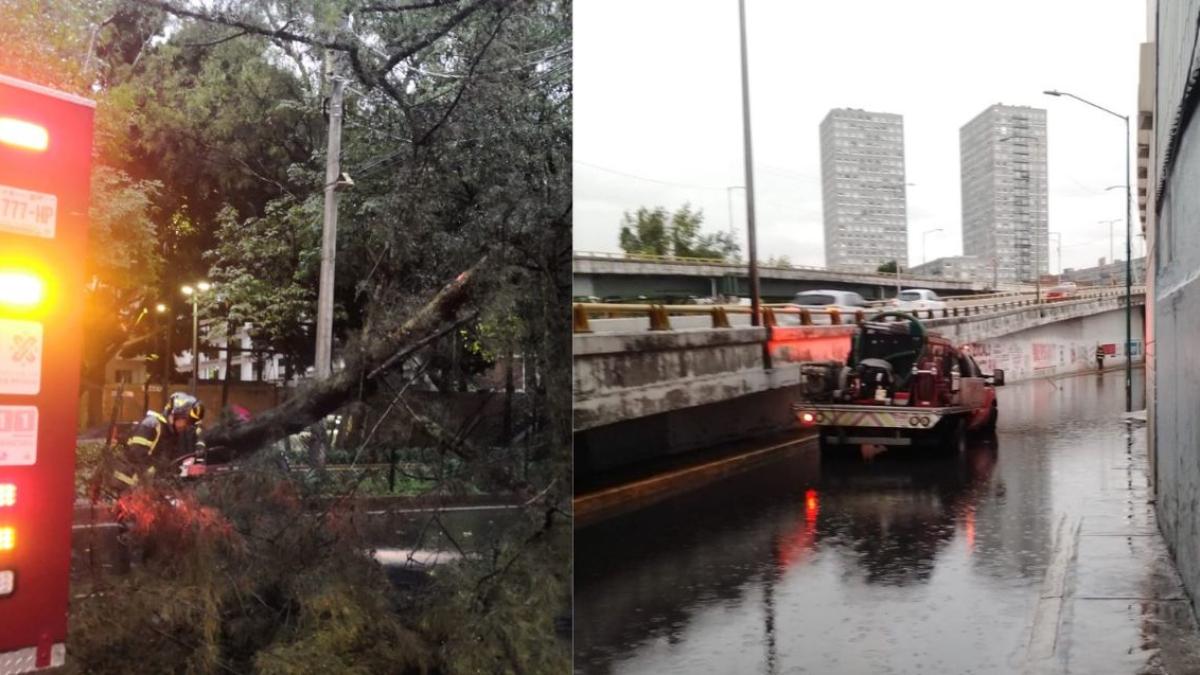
(594, 506)
(1047, 618)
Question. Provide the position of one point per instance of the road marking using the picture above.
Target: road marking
(584, 504)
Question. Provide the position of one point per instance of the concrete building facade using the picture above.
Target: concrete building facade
(862, 189)
(1004, 191)
(1168, 117)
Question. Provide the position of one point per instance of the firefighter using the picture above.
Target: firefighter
(1099, 357)
(160, 437)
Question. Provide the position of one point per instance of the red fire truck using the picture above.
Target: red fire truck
(902, 385)
(45, 168)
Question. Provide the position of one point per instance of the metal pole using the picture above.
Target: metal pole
(925, 234)
(1128, 278)
(167, 358)
(729, 199)
(752, 248)
(195, 344)
(324, 354)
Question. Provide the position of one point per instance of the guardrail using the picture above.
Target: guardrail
(660, 315)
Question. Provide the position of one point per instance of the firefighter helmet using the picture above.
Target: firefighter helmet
(184, 405)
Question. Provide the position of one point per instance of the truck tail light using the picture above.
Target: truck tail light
(807, 419)
(8, 538)
(7, 582)
(8, 494)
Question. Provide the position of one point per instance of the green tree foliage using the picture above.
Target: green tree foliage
(655, 232)
(888, 267)
(457, 134)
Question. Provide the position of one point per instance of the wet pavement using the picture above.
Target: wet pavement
(1036, 551)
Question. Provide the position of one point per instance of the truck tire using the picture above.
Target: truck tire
(954, 436)
(989, 427)
(824, 444)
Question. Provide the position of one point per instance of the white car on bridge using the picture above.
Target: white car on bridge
(912, 299)
(846, 302)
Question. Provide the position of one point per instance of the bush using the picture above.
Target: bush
(249, 574)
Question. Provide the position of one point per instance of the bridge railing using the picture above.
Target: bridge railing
(659, 315)
(905, 278)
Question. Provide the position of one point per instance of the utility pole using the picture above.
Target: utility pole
(324, 355)
(1129, 278)
(729, 199)
(752, 249)
(1128, 245)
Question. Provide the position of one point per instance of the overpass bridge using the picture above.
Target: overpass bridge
(681, 378)
(606, 275)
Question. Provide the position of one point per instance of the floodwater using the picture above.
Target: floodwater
(893, 563)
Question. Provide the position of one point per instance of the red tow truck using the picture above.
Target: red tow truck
(902, 385)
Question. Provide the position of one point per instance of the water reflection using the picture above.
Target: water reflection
(882, 519)
(892, 514)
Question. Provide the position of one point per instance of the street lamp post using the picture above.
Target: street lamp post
(729, 199)
(752, 248)
(1112, 257)
(1128, 248)
(923, 235)
(194, 294)
(159, 310)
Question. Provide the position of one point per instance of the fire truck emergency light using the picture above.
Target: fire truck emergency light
(8, 538)
(8, 494)
(21, 289)
(24, 135)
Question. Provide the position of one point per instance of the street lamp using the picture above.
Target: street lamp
(923, 235)
(194, 294)
(1128, 248)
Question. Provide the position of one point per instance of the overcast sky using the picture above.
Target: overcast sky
(658, 108)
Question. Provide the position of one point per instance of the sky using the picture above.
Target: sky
(657, 110)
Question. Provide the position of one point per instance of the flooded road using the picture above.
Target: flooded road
(894, 563)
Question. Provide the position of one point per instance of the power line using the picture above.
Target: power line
(791, 172)
(650, 180)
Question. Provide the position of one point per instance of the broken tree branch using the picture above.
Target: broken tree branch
(323, 397)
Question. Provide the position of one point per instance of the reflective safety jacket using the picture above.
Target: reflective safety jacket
(154, 441)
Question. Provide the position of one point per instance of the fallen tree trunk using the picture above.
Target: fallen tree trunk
(320, 398)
